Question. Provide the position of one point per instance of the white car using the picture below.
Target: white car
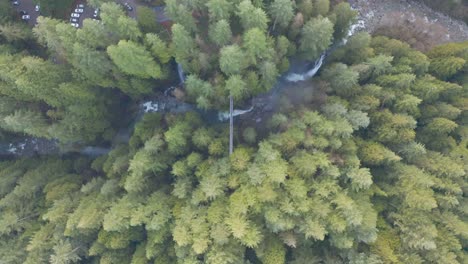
(96, 13)
(128, 6)
(80, 6)
(74, 20)
(75, 25)
(75, 15)
(37, 8)
(25, 17)
(79, 10)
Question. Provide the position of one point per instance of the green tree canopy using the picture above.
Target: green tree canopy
(317, 36)
(134, 59)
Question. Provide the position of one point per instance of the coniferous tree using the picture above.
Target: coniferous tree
(317, 36)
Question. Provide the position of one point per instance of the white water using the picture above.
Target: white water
(169, 90)
(296, 77)
(299, 77)
(149, 107)
(223, 116)
(180, 70)
(154, 106)
(95, 151)
(13, 148)
(360, 24)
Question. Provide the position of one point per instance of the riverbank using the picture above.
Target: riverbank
(372, 12)
(285, 93)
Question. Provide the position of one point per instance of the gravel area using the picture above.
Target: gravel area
(372, 12)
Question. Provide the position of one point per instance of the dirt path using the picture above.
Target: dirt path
(372, 12)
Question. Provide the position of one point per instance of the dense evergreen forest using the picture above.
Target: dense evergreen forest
(366, 163)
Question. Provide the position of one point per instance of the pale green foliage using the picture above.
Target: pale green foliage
(306, 7)
(146, 19)
(134, 59)
(361, 178)
(177, 138)
(232, 60)
(376, 154)
(158, 47)
(64, 253)
(394, 128)
(14, 32)
(342, 78)
(251, 16)
(282, 12)
(367, 164)
(269, 74)
(308, 164)
(344, 17)
(237, 87)
(418, 231)
(46, 33)
(440, 126)
(94, 66)
(220, 32)
(408, 104)
(446, 67)
(256, 46)
(39, 79)
(379, 65)
(113, 17)
(29, 122)
(321, 7)
(219, 9)
(92, 34)
(183, 44)
(199, 89)
(317, 35)
(357, 119)
(180, 13)
(356, 50)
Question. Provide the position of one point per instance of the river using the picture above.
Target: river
(299, 71)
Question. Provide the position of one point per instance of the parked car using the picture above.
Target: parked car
(80, 6)
(75, 25)
(75, 15)
(74, 20)
(79, 10)
(96, 13)
(22, 12)
(37, 8)
(15, 2)
(25, 17)
(128, 6)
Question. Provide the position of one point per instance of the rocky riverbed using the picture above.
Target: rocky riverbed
(373, 12)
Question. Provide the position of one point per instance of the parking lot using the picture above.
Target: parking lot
(133, 4)
(88, 13)
(29, 7)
